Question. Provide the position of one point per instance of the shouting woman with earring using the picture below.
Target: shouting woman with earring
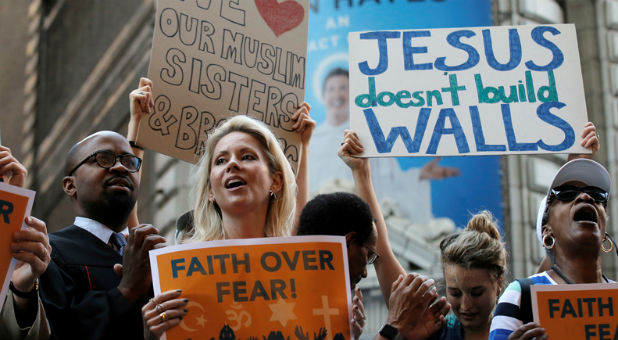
(574, 236)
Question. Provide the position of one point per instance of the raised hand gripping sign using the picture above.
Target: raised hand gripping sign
(15, 205)
(268, 288)
(577, 311)
(467, 91)
(214, 59)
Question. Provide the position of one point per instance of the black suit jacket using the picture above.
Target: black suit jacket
(79, 292)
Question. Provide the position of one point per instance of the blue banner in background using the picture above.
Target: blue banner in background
(469, 184)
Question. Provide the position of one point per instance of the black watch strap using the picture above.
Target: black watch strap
(25, 295)
(389, 332)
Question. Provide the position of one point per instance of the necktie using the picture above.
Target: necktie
(118, 240)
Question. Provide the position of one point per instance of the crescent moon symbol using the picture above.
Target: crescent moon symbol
(182, 323)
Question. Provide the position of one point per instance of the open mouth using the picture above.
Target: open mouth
(585, 214)
(234, 183)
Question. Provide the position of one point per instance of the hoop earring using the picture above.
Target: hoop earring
(549, 242)
(611, 244)
(273, 196)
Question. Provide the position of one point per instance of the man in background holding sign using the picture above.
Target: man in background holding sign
(22, 315)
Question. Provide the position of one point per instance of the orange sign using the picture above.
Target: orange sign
(15, 205)
(578, 311)
(268, 288)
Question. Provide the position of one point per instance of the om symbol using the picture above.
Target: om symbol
(238, 318)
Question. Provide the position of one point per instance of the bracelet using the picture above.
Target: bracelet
(134, 145)
(25, 295)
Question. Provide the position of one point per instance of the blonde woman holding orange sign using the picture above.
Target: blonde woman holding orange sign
(245, 189)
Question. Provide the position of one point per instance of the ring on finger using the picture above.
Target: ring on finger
(163, 316)
(158, 308)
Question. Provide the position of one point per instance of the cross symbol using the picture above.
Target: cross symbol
(326, 313)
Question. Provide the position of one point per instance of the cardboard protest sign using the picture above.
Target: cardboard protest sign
(577, 311)
(268, 288)
(15, 205)
(467, 91)
(212, 60)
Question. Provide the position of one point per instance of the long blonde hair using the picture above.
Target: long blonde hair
(207, 221)
(478, 246)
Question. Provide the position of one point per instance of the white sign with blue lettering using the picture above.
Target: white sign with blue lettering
(467, 91)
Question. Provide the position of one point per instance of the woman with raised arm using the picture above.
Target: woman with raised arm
(590, 141)
(141, 103)
(245, 188)
(473, 262)
(406, 295)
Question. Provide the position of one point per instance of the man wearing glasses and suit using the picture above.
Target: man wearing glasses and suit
(84, 295)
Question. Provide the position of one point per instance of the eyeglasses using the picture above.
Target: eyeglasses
(106, 159)
(372, 256)
(568, 193)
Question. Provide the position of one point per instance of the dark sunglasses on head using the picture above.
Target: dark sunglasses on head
(568, 193)
(106, 159)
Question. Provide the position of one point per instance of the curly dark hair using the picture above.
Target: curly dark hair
(337, 214)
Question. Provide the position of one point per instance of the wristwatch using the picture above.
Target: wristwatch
(389, 332)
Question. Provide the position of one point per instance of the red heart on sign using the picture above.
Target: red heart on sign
(280, 17)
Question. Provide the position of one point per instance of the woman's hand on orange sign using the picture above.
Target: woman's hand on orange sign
(163, 312)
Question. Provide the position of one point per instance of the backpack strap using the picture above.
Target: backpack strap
(525, 305)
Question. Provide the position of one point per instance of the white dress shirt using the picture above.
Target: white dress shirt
(98, 229)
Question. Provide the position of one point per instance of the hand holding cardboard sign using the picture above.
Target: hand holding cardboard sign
(303, 124)
(11, 170)
(141, 103)
(590, 141)
(351, 147)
